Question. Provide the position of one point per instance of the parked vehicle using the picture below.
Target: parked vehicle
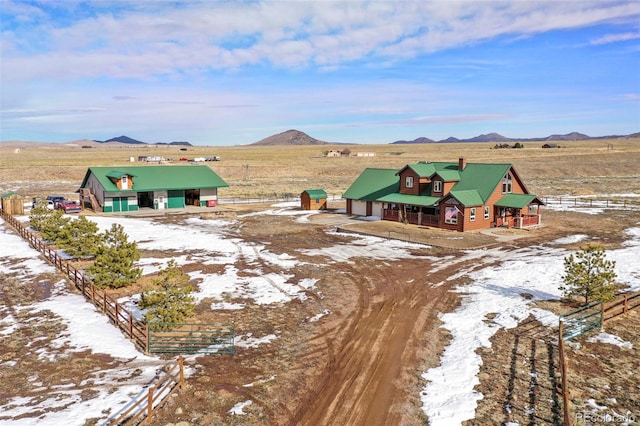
(68, 206)
(55, 199)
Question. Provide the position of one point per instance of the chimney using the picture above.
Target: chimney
(462, 163)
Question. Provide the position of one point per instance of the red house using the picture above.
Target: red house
(457, 196)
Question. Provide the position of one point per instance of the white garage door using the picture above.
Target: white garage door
(359, 208)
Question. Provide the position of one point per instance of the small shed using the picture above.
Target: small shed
(313, 199)
(13, 203)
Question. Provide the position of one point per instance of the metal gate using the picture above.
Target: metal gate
(582, 321)
(190, 338)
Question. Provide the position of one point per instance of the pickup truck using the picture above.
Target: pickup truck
(68, 206)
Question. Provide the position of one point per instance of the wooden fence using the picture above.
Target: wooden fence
(141, 407)
(133, 328)
(211, 338)
(584, 320)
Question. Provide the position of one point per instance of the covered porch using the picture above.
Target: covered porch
(518, 211)
(413, 209)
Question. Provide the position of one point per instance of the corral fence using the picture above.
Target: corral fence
(169, 338)
(582, 321)
(219, 338)
(142, 406)
(271, 198)
(593, 201)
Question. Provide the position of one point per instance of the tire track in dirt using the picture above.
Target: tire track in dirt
(378, 348)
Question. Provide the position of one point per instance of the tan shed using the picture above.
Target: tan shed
(313, 199)
(13, 203)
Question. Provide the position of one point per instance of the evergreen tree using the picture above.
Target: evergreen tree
(46, 221)
(170, 299)
(51, 225)
(80, 238)
(115, 258)
(589, 274)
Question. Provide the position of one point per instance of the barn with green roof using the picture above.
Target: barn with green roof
(458, 195)
(130, 188)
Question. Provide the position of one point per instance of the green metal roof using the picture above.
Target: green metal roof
(414, 200)
(449, 175)
(517, 201)
(316, 194)
(428, 169)
(156, 178)
(469, 197)
(373, 184)
(474, 184)
(481, 177)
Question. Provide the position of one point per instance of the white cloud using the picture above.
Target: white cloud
(162, 39)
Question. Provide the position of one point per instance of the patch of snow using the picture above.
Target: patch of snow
(249, 341)
(237, 410)
(571, 239)
(611, 339)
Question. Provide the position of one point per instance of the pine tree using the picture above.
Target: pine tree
(38, 214)
(80, 238)
(115, 258)
(170, 299)
(52, 224)
(47, 222)
(589, 274)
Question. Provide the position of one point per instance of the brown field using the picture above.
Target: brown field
(578, 168)
(361, 365)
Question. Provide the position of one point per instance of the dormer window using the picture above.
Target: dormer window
(408, 182)
(437, 186)
(507, 183)
(124, 181)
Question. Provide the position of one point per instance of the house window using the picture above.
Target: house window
(409, 181)
(486, 212)
(472, 214)
(437, 186)
(451, 215)
(125, 182)
(507, 183)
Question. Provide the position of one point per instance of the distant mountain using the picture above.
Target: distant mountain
(130, 141)
(491, 137)
(123, 139)
(496, 137)
(418, 140)
(290, 137)
(573, 136)
(174, 143)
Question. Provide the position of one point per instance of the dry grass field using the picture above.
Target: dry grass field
(577, 168)
(362, 363)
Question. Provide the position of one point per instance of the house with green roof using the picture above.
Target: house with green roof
(129, 188)
(458, 196)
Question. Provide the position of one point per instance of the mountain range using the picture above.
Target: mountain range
(131, 141)
(297, 138)
(496, 137)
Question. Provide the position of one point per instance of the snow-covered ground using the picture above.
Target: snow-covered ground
(505, 287)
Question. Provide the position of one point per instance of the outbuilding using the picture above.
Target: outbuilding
(129, 188)
(13, 203)
(313, 199)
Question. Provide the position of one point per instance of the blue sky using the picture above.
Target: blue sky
(232, 72)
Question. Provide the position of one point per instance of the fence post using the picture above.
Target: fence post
(563, 366)
(625, 307)
(150, 404)
(601, 314)
(181, 363)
